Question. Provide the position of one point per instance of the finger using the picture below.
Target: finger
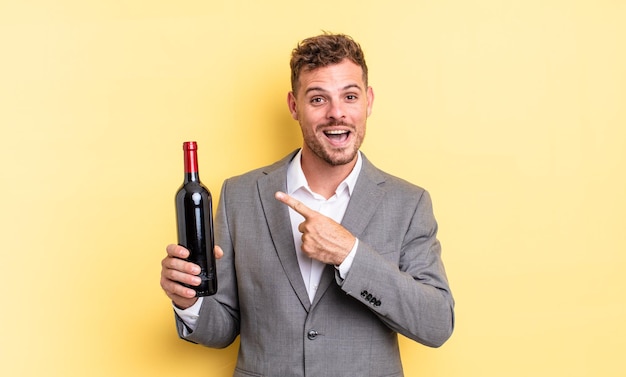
(175, 290)
(177, 251)
(174, 263)
(184, 278)
(218, 252)
(295, 204)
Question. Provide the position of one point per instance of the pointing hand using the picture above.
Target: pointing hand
(323, 238)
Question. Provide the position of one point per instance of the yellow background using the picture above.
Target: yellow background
(512, 113)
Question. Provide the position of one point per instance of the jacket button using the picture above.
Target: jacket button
(312, 334)
(364, 293)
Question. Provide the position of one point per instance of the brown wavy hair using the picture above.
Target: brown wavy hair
(323, 50)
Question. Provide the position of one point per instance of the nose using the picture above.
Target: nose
(336, 110)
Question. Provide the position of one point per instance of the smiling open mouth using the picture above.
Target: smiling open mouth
(337, 136)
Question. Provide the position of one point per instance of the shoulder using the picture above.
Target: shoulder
(388, 182)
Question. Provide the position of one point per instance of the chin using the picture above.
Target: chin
(338, 159)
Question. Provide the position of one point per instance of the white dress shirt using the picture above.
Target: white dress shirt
(333, 207)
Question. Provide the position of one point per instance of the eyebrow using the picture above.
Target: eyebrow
(320, 89)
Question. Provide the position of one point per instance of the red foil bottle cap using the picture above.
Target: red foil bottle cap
(191, 157)
(190, 145)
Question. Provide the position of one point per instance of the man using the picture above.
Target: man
(322, 258)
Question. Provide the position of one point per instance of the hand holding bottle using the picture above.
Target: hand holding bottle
(176, 270)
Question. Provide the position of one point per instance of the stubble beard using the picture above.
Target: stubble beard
(336, 156)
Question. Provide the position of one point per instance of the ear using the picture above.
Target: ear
(293, 107)
(370, 100)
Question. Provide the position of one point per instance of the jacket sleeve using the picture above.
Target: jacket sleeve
(406, 286)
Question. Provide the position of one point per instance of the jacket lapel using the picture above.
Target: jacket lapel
(279, 223)
(365, 199)
(364, 203)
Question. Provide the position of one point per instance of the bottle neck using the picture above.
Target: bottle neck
(192, 177)
(191, 162)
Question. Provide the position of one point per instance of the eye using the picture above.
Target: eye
(351, 97)
(316, 100)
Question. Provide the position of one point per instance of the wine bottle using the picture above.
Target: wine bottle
(194, 217)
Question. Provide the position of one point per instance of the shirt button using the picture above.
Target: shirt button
(312, 334)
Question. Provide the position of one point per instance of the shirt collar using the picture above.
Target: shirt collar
(296, 179)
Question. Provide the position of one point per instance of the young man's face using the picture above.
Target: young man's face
(332, 105)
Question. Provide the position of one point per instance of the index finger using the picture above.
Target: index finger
(295, 204)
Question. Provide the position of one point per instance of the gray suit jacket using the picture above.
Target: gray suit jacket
(397, 282)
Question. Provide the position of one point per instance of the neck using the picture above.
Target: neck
(322, 177)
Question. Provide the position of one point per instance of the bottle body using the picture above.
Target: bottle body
(194, 217)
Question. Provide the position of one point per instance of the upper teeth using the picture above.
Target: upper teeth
(336, 132)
